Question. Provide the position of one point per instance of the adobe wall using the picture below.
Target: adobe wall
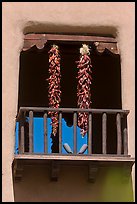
(90, 17)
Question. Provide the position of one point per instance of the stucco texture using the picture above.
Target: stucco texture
(115, 18)
(72, 186)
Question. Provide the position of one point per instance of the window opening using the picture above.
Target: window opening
(105, 88)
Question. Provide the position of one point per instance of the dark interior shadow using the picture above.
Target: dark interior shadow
(105, 87)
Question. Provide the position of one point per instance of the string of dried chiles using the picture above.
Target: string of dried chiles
(54, 91)
(83, 87)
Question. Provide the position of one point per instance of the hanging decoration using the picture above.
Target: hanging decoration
(54, 91)
(83, 87)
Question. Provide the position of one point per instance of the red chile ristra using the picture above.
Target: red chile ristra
(54, 85)
(83, 87)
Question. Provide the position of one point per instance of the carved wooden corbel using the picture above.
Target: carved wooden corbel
(111, 46)
(17, 171)
(38, 40)
(92, 172)
(54, 171)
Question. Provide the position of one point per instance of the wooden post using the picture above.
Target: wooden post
(104, 133)
(45, 133)
(89, 133)
(119, 142)
(21, 134)
(60, 132)
(75, 132)
(30, 131)
(125, 135)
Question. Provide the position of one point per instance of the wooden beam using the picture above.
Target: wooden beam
(68, 157)
(64, 37)
(41, 39)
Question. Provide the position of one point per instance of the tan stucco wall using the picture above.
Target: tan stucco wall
(72, 185)
(93, 17)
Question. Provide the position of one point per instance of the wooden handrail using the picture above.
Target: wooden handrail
(71, 110)
(121, 126)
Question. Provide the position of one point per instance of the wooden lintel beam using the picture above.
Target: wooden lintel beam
(100, 42)
(68, 37)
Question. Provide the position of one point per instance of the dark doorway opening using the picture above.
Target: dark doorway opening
(105, 88)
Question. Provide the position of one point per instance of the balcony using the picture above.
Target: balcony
(27, 156)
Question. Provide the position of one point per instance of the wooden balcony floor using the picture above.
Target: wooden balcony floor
(93, 163)
(38, 158)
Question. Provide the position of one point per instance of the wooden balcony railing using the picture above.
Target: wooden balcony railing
(92, 160)
(120, 122)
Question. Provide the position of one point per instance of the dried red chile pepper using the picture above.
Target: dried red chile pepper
(54, 91)
(83, 87)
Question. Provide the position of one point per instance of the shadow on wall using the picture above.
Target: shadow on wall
(36, 27)
(72, 185)
(117, 186)
(111, 185)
